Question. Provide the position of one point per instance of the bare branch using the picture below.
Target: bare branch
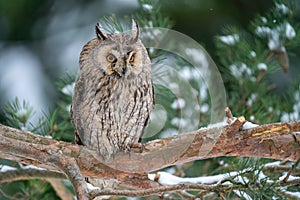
(29, 173)
(277, 141)
(70, 168)
(156, 190)
(281, 168)
(293, 168)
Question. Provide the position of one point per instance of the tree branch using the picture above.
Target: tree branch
(29, 173)
(278, 141)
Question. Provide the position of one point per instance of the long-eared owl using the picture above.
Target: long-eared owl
(113, 95)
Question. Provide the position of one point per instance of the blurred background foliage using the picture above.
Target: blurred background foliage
(40, 42)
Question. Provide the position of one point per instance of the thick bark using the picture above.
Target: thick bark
(278, 141)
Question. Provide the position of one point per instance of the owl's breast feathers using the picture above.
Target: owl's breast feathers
(110, 113)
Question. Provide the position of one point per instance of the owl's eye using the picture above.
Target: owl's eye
(111, 58)
(131, 59)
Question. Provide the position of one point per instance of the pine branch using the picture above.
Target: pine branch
(278, 141)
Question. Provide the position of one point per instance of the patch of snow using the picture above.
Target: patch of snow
(68, 107)
(241, 179)
(169, 179)
(186, 73)
(198, 56)
(289, 31)
(147, 7)
(282, 8)
(151, 50)
(262, 66)
(68, 89)
(22, 112)
(5, 168)
(251, 99)
(230, 39)
(260, 174)
(238, 70)
(253, 54)
(291, 178)
(151, 33)
(178, 104)
(249, 125)
(31, 167)
(165, 178)
(263, 31)
(272, 164)
(179, 122)
(274, 35)
(274, 41)
(242, 194)
(204, 108)
(293, 194)
(90, 187)
(203, 91)
(221, 162)
(264, 20)
(285, 117)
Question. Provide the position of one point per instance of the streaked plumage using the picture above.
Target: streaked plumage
(113, 95)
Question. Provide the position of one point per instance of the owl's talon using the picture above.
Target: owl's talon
(137, 147)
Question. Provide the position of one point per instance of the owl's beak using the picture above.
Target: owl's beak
(120, 69)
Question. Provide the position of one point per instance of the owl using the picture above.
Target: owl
(113, 95)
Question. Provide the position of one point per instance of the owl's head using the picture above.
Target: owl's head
(119, 55)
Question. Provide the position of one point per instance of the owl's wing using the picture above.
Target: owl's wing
(75, 110)
(77, 139)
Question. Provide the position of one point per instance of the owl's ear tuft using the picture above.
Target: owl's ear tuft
(135, 31)
(101, 35)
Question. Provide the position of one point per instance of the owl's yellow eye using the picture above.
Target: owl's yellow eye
(110, 58)
(131, 58)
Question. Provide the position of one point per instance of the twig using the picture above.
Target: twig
(294, 182)
(145, 192)
(294, 166)
(228, 115)
(281, 168)
(71, 169)
(25, 174)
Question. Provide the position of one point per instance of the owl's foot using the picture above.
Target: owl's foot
(137, 147)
